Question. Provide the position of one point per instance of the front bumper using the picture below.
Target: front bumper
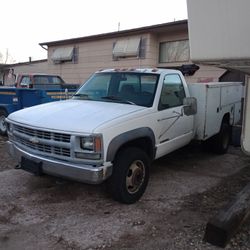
(82, 173)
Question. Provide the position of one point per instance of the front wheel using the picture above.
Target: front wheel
(130, 175)
(3, 128)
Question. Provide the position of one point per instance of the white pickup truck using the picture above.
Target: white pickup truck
(118, 122)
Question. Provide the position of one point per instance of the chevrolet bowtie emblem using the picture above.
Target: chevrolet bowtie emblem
(34, 140)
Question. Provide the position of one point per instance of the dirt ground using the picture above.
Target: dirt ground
(185, 190)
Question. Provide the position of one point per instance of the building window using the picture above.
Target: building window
(65, 54)
(132, 47)
(177, 51)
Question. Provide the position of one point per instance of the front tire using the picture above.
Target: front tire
(3, 128)
(130, 175)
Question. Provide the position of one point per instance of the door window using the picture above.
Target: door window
(172, 93)
(25, 82)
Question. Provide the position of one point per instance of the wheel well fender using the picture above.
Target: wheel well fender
(4, 109)
(8, 108)
(141, 137)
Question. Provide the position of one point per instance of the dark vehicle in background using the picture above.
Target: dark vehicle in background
(30, 90)
(42, 81)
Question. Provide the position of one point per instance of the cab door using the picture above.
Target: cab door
(175, 129)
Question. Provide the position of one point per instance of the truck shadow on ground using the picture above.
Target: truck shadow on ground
(51, 189)
(191, 158)
(67, 189)
(185, 158)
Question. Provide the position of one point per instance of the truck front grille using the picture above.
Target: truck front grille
(46, 143)
(42, 134)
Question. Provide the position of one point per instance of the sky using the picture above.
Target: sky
(26, 23)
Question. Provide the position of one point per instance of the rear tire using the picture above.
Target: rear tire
(130, 175)
(222, 140)
(3, 128)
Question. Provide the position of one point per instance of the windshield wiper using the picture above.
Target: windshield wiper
(116, 98)
(82, 96)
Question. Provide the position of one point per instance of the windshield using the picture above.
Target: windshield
(120, 87)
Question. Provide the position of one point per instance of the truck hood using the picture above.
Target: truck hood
(72, 115)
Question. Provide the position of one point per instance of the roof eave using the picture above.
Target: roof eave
(152, 28)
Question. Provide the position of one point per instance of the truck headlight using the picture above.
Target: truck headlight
(91, 147)
(91, 143)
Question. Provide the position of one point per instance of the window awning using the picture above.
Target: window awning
(63, 54)
(128, 47)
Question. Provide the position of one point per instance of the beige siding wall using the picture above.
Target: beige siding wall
(33, 67)
(153, 51)
(95, 55)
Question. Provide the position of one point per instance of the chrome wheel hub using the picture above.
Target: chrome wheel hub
(135, 176)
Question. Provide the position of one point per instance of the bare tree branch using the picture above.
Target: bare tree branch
(5, 57)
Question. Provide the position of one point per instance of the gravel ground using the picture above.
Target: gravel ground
(186, 189)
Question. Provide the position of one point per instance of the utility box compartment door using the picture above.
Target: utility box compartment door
(230, 94)
(214, 100)
(212, 112)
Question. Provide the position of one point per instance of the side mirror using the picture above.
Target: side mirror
(190, 106)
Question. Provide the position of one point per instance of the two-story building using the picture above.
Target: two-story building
(163, 45)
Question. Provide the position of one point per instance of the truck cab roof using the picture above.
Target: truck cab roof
(140, 70)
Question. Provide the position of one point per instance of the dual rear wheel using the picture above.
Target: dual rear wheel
(219, 143)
